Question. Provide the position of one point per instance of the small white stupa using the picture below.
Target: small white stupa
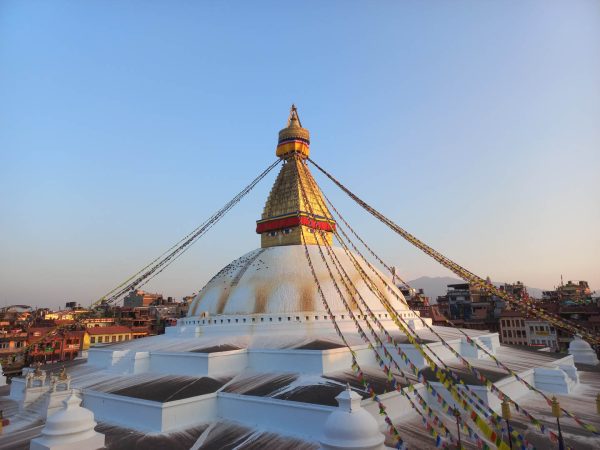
(72, 428)
(582, 352)
(350, 427)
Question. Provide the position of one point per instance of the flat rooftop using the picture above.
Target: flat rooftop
(155, 388)
(308, 389)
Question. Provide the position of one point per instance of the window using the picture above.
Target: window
(287, 231)
(114, 339)
(272, 233)
(100, 339)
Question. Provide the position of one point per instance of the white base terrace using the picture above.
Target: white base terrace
(277, 376)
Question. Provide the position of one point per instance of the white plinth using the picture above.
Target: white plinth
(93, 442)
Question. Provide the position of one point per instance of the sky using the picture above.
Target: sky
(123, 125)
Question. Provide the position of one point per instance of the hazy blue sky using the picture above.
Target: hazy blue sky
(123, 125)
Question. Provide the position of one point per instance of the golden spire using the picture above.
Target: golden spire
(294, 119)
(287, 211)
(293, 139)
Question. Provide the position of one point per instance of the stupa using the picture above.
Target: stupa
(269, 348)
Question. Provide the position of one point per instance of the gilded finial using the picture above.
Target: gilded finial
(293, 139)
(294, 119)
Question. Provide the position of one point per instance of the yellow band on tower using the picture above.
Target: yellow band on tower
(291, 147)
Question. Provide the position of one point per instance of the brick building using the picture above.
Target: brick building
(52, 347)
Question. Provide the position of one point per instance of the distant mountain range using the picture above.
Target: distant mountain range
(436, 286)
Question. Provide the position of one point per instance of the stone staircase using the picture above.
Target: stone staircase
(34, 413)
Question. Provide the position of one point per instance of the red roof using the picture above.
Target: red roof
(116, 329)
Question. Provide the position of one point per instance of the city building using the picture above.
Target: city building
(578, 292)
(109, 334)
(420, 303)
(94, 322)
(512, 328)
(518, 329)
(470, 307)
(11, 343)
(541, 333)
(52, 346)
(139, 320)
(139, 298)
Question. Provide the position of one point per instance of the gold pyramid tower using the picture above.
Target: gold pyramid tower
(287, 219)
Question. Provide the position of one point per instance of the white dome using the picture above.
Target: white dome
(72, 428)
(582, 352)
(579, 344)
(351, 427)
(279, 280)
(70, 420)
